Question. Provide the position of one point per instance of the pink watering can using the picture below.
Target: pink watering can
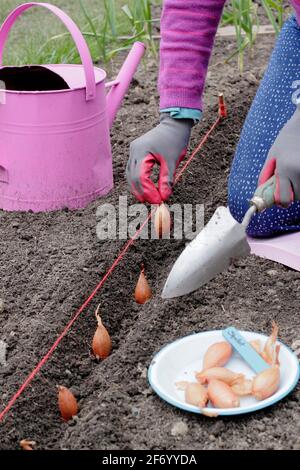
(55, 147)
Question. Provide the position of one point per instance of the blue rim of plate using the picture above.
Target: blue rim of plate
(237, 411)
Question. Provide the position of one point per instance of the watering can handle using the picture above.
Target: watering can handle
(72, 28)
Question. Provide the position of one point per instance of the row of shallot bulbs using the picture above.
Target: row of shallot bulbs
(101, 347)
(222, 387)
(101, 344)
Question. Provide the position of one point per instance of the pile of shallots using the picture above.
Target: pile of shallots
(222, 387)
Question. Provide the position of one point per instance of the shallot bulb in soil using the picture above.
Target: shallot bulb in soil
(162, 221)
(221, 395)
(196, 394)
(219, 373)
(27, 445)
(271, 350)
(101, 344)
(143, 291)
(67, 403)
(217, 355)
(266, 383)
(242, 387)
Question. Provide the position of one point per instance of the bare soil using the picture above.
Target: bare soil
(50, 263)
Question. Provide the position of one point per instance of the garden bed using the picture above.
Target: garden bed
(50, 263)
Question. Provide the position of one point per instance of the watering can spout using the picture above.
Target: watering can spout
(121, 84)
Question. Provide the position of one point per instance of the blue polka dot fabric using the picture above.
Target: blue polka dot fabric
(273, 106)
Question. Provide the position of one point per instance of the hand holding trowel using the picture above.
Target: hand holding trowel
(223, 238)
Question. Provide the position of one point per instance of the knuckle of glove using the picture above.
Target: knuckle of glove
(140, 147)
(134, 147)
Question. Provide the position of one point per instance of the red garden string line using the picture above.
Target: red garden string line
(180, 173)
(222, 113)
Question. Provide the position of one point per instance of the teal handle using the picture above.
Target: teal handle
(253, 359)
(266, 193)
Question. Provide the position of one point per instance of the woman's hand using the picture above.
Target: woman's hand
(283, 161)
(165, 145)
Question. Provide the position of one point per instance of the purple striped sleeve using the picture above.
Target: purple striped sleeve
(188, 29)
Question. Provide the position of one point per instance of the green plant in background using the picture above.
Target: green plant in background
(91, 24)
(107, 32)
(122, 24)
(112, 26)
(242, 14)
(117, 28)
(140, 17)
(275, 12)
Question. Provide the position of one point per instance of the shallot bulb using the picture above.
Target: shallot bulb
(196, 394)
(27, 445)
(271, 350)
(67, 403)
(219, 373)
(221, 395)
(182, 385)
(162, 221)
(101, 344)
(217, 355)
(143, 291)
(209, 414)
(266, 383)
(256, 344)
(242, 387)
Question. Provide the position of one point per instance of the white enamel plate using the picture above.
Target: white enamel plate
(179, 360)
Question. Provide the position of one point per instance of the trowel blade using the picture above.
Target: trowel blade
(210, 253)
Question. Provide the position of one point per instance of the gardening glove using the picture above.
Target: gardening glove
(165, 145)
(282, 167)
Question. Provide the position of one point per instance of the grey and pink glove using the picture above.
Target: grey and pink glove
(283, 164)
(165, 145)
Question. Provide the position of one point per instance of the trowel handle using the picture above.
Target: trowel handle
(264, 196)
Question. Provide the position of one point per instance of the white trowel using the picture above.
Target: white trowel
(211, 252)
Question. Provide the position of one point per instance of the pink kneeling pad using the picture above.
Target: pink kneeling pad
(284, 249)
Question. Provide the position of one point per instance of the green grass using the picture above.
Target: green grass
(29, 38)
